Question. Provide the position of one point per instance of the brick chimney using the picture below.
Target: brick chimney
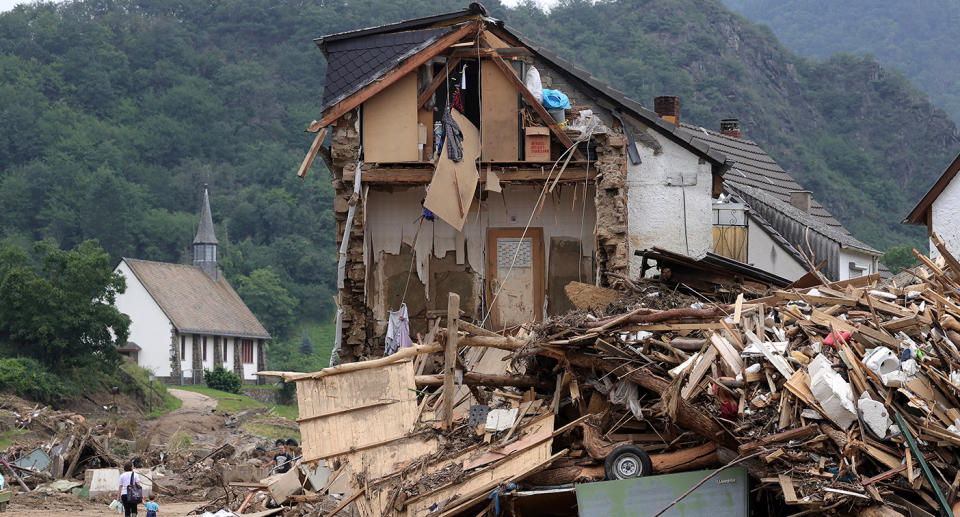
(668, 107)
(730, 127)
(802, 200)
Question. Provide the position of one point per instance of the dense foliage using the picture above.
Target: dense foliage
(222, 379)
(115, 112)
(58, 306)
(915, 37)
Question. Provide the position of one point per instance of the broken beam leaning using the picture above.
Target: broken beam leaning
(483, 379)
(450, 359)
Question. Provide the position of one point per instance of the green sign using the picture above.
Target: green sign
(726, 494)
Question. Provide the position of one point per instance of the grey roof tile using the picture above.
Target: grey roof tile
(194, 302)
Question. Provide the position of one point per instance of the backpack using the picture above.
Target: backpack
(134, 492)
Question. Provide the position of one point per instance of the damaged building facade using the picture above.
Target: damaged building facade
(532, 205)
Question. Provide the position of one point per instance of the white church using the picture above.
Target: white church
(186, 318)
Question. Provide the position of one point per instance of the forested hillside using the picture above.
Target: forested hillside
(916, 37)
(114, 114)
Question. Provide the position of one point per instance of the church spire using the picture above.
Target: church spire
(205, 243)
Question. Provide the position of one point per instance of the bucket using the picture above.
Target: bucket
(559, 115)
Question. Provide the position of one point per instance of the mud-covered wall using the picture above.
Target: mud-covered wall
(611, 205)
(344, 150)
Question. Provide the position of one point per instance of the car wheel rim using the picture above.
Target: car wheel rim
(628, 466)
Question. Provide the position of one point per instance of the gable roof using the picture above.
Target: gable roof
(919, 213)
(195, 303)
(358, 58)
(755, 175)
(358, 62)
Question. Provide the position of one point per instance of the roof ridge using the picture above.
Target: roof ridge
(718, 134)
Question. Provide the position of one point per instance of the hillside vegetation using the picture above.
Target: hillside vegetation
(115, 113)
(916, 37)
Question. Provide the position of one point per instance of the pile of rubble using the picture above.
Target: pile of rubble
(835, 398)
(60, 459)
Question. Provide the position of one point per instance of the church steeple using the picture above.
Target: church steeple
(205, 243)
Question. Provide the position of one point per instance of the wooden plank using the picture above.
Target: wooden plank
(391, 76)
(437, 81)
(312, 153)
(698, 372)
(499, 115)
(661, 327)
(790, 434)
(575, 173)
(483, 52)
(345, 410)
(450, 358)
(729, 355)
(402, 355)
(789, 494)
(361, 390)
(390, 119)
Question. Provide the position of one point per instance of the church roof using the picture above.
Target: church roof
(195, 303)
(205, 230)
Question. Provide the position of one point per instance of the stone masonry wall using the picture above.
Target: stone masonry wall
(611, 202)
(344, 147)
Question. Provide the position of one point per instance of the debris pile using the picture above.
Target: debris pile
(834, 398)
(62, 458)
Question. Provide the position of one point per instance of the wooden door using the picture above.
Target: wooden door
(521, 295)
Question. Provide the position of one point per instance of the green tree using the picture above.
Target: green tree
(900, 257)
(264, 293)
(306, 344)
(58, 306)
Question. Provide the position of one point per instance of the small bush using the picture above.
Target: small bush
(288, 393)
(29, 379)
(222, 379)
(127, 428)
(179, 442)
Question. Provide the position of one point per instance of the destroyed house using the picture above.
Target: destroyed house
(453, 173)
(766, 218)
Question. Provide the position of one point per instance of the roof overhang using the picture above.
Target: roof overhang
(919, 214)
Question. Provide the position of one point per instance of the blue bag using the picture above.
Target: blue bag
(555, 99)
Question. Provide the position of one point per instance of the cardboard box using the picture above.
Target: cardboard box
(537, 144)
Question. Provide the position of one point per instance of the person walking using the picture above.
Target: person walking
(129, 492)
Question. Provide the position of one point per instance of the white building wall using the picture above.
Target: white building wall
(149, 326)
(860, 259)
(946, 218)
(186, 362)
(251, 368)
(765, 253)
(669, 202)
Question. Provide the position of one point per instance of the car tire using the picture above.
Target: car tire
(627, 462)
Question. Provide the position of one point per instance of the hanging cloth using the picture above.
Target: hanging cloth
(453, 136)
(398, 331)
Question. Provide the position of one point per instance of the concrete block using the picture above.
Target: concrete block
(832, 392)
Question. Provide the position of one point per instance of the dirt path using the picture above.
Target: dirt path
(88, 509)
(196, 416)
